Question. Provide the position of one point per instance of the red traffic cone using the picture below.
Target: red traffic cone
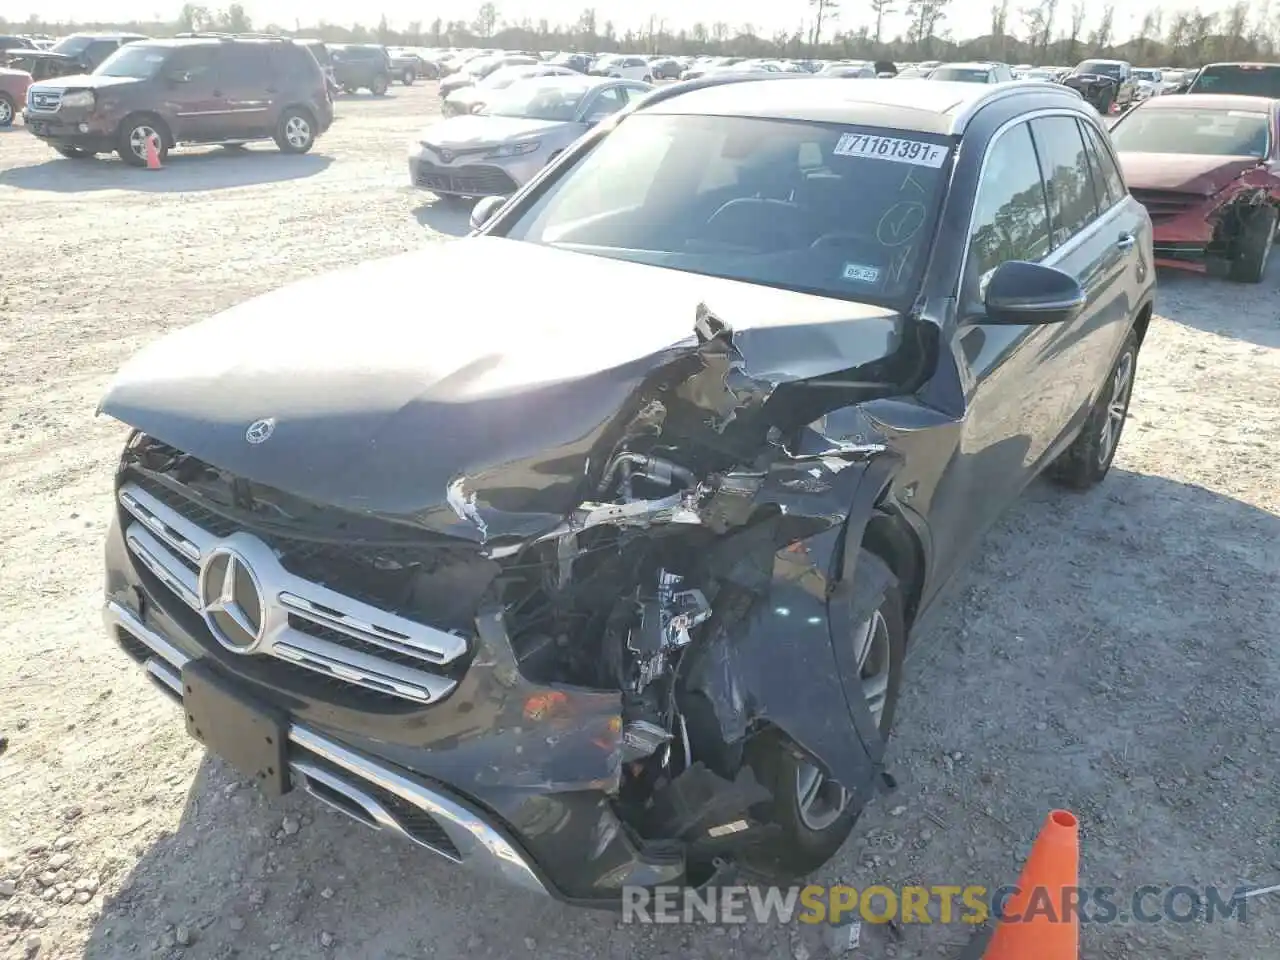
(1052, 869)
(153, 153)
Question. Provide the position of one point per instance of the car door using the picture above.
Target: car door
(246, 81)
(1096, 241)
(190, 84)
(1000, 364)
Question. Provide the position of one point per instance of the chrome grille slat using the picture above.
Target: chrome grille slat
(164, 543)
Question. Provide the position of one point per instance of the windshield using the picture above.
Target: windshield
(1250, 81)
(134, 60)
(1150, 75)
(539, 101)
(840, 211)
(1101, 67)
(1226, 133)
(72, 46)
(962, 74)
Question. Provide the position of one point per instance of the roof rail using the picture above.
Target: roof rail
(213, 35)
(717, 79)
(1009, 88)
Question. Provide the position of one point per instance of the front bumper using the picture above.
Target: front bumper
(343, 777)
(86, 134)
(477, 777)
(473, 177)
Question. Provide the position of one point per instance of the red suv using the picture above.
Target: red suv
(204, 89)
(13, 91)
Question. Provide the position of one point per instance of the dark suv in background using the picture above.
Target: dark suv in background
(361, 65)
(214, 89)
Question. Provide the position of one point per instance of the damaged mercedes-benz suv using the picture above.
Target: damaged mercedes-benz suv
(610, 583)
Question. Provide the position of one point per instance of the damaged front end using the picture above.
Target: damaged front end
(1202, 232)
(703, 581)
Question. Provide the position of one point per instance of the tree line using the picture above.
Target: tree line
(1045, 32)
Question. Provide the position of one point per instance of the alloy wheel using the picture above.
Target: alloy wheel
(6, 112)
(297, 131)
(819, 800)
(1117, 408)
(138, 138)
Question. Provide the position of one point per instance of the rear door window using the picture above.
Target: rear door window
(1105, 164)
(1064, 164)
(244, 65)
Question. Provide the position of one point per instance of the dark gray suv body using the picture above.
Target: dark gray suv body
(186, 90)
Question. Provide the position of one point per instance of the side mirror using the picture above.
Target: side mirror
(484, 210)
(1025, 293)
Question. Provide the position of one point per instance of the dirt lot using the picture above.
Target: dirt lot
(1112, 653)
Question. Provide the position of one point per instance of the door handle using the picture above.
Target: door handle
(1126, 242)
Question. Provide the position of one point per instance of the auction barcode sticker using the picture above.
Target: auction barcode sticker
(890, 148)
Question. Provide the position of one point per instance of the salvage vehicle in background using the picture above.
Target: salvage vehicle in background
(515, 134)
(1108, 85)
(472, 98)
(479, 68)
(358, 66)
(620, 595)
(1150, 82)
(13, 93)
(406, 66)
(1207, 168)
(974, 72)
(185, 90)
(622, 67)
(1241, 79)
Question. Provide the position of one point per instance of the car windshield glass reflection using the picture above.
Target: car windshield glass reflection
(835, 210)
(1259, 81)
(133, 60)
(538, 101)
(1227, 133)
(72, 46)
(1100, 67)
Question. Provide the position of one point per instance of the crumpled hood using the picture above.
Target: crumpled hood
(85, 81)
(462, 133)
(490, 361)
(1187, 173)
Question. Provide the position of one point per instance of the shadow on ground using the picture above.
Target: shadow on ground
(449, 217)
(1109, 651)
(184, 171)
(1245, 311)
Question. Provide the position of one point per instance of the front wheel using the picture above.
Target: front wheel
(131, 141)
(379, 86)
(1086, 462)
(296, 131)
(1256, 239)
(814, 813)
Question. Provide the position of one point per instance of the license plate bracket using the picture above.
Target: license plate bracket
(248, 734)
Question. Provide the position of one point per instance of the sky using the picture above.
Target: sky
(965, 18)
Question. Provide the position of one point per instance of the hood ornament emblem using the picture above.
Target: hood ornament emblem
(446, 156)
(260, 431)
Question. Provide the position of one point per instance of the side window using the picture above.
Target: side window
(633, 94)
(243, 64)
(1064, 163)
(195, 62)
(99, 50)
(607, 102)
(1102, 155)
(1010, 217)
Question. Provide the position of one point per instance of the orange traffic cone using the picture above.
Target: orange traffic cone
(1048, 886)
(153, 153)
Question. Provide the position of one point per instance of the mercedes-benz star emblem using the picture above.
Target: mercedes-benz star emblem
(231, 601)
(446, 156)
(260, 431)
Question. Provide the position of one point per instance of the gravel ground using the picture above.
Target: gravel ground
(1108, 652)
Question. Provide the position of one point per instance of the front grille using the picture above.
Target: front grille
(301, 621)
(45, 101)
(468, 181)
(1165, 205)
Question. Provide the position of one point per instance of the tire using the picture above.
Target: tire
(378, 87)
(408, 77)
(1086, 462)
(8, 110)
(131, 138)
(806, 841)
(648, 78)
(75, 153)
(295, 131)
(1256, 240)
